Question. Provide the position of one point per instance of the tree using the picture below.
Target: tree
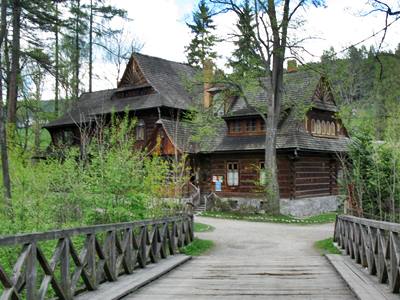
(245, 59)
(272, 20)
(15, 67)
(119, 48)
(97, 10)
(57, 60)
(200, 48)
(3, 133)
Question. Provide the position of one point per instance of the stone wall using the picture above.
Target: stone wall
(298, 208)
(309, 206)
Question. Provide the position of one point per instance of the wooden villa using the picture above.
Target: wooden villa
(155, 91)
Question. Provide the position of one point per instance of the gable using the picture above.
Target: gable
(133, 75)
(323, 93)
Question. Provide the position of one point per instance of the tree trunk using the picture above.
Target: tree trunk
(91, 46)
(15, 69)
(77, 50)
(272, 192)
(37, 126)
(4, 152)
(3, 135)
(57, 65)
(279, 34)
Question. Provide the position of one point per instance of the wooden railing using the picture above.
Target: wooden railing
(192, 193)
(373, 244)
(85, 257)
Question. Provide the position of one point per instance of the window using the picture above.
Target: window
(324, 128)
(66, 137)
(318, 127)
(140, 130)
(263, 174)
(262, 125)
(233, 174)
(235, 126)
(251, 125)
(332, 129)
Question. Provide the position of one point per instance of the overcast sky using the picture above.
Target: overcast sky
(161, 26)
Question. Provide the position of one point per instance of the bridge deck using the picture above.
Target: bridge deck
(254, 260)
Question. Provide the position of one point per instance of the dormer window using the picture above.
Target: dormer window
(235, 126)
(332, 129)
(323, 128)
(251, 125)
(140, 130)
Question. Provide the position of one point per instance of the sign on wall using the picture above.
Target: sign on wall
(218, 180)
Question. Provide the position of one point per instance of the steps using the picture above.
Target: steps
(199, 209)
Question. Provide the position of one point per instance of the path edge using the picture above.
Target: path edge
(359, 282)
(131, 283)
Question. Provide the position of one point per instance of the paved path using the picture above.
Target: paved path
(254, 260)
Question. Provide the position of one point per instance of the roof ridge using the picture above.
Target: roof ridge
(160, 58)
(99, 91)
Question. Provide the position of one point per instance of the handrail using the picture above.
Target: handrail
(373, 244)
(107, 251)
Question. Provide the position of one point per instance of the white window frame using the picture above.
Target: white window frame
(232, 174)
(140, 130)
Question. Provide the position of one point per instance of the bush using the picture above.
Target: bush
(372, 178)
(115, 183)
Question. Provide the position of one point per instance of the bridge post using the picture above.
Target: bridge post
(31, 273)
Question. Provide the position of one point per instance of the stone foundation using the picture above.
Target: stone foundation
(298, 208)
(309, 206)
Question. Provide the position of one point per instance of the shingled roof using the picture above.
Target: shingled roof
(298, 87)
(169, 80)
(290, 136)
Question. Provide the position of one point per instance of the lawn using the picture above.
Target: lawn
(326, 247)
(197, 247)
(318, 219)
(200, 227)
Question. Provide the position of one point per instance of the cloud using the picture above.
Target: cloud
(161, 26)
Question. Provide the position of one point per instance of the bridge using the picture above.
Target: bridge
(250, 260)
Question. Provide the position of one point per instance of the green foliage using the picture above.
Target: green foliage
(246, 61)
(115, 184)
(371, 176)
(201, 46)
(365, 87)
(200, 227)
(326, 247)
(253, 217)
(197, 247)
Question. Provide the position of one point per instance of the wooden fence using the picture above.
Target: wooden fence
(85, 257)
(373, 244)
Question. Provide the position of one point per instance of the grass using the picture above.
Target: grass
(200, 227)
(197, 247)
(326, 247)
(319, 219)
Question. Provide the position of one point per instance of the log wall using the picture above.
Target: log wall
(307, 175)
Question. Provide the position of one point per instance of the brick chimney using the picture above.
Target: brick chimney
(207, 77)
(292, 66)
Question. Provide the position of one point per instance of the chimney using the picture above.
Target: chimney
(207, 77)
(292, 66)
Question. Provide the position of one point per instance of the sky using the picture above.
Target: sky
(160, 25)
